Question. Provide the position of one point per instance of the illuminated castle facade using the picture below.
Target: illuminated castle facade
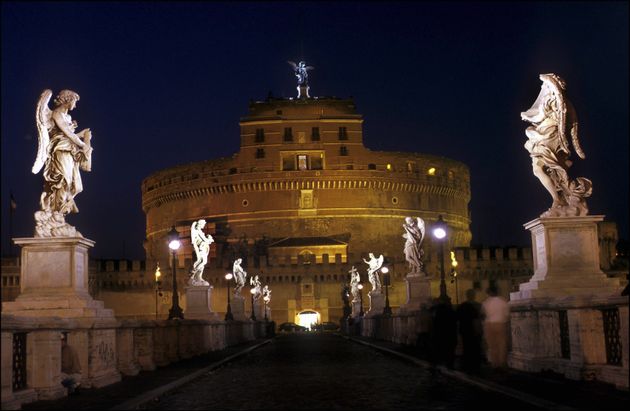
(304, 192)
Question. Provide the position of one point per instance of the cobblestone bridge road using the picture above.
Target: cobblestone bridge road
(324, 371)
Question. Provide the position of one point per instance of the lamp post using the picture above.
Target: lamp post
(252, 291)
(158, 288)
(454, 275)
(174, 244)
(228, 313)
(439, 232)
(266, 299)
(386, 282)
(360, 287)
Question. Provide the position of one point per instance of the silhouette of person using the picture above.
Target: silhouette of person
(444, 334)
(496, 314)
(470, 329)
(70, 366)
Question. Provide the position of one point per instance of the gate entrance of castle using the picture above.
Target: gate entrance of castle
(308, 318)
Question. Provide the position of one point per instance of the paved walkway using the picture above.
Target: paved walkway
(326, 371)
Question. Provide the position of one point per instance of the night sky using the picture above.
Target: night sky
(163, 84)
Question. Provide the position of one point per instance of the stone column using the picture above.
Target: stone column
(44, 364)
(238, 308)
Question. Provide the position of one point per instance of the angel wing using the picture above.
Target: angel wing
(380, 261)
(309, 68)
(292, 65)
(43, 118)
(421, 228)
(572, 116)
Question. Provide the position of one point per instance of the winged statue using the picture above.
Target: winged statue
(61, 153)
(301, 71)
(374, 264)
(553, 119)
(414, 236)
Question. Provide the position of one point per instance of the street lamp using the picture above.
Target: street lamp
(386, 282)
(228, 313)
(158, 288)
(439, 232)
(454, 275)
(252, 291)
(174, 244)
(360, 287)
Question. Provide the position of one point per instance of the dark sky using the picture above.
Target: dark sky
(165, 83)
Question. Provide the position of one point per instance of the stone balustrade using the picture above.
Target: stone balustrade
(592, 344)
(32, 371)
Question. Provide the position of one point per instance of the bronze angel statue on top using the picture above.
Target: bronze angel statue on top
(553, 120)
(61, 153)
(301, 72)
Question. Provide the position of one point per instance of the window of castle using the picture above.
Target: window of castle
(288, 134)
(371, 166)
(315, 134)
(260, 135)
(260, 153)
(343, 133)
(343, 151)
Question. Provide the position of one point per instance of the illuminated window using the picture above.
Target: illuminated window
(431, 171)
(315, 134)
(389, 167)
(288, 134)
(451, 174)
(302, 162)
(260, 135)
(343, 133)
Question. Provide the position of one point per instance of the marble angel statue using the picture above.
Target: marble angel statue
(239, 276)
(414, 236)
(301, 72)
(266, 294)
(257, 286)
(374, 264)
(355, 279)
(62, 153)
(201, 244)
(553, 120)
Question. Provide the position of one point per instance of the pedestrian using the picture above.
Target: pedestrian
(470, 330)
(70, 366)
(496, 314)
(444, 334)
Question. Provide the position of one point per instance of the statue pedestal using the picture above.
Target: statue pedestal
(356, 309)
(418, 292)
(54, 287)
(377, 304)
(558, 318)
(198, 303)
(259, 309)
(237, 304)
(566, 259)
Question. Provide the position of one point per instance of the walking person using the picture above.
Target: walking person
(470, 329)
(496, 314)
(70, 366)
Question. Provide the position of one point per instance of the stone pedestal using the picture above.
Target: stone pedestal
(557, 317)
(54, 285)
(356, 308)
(237, 304)
(377, 304)
(259, 309)
(566, 259)
(198, 303)
(418, 292)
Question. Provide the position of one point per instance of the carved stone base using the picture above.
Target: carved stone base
(54, 280)
(566, 260)
(377, 304)
(418, 292)
(237, 304)
(198, 303)
(356, 309)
